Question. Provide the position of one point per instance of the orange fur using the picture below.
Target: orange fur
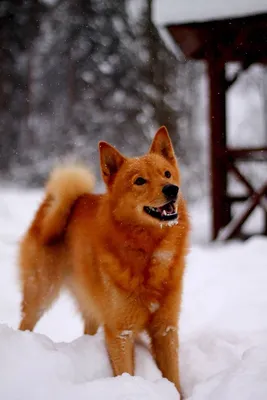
(123, 266)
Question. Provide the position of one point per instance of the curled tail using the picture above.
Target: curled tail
(64, 186)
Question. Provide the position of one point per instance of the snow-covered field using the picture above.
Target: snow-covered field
(223, 327)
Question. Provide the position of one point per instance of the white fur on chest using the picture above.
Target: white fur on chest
(153, 307)
(163, 255)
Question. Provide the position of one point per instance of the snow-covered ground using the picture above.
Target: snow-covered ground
(223, 327)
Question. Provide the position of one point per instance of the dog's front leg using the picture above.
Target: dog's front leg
(163, 327)
(121, 352)
(165, 349)
(163, 331)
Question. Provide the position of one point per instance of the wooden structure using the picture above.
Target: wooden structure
(242, 39)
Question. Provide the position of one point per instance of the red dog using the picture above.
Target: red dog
(121, 254)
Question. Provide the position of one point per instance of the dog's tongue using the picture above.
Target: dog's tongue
(166, 209)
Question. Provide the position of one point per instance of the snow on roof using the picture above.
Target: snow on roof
(167, 12)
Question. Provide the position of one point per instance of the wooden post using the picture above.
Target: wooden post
(217, 91)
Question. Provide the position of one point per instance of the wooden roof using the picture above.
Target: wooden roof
(235, 39)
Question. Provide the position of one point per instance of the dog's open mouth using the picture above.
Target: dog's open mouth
(167, 212)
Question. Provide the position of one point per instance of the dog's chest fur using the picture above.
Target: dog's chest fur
(144, 273)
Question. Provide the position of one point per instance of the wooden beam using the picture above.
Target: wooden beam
(237, 198)
(245, 66)
(248, 154)
(233, 228)
(233, 168)
(230, 82)
(238, 38)
(189, 40)
(217, 101)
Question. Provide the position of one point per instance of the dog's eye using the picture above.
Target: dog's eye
(168, 174)
(140, 181)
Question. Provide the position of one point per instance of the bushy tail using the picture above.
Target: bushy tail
(64, 186)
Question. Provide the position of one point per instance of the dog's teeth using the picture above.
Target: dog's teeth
(164, 212)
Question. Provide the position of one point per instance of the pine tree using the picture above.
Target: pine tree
(19, 24)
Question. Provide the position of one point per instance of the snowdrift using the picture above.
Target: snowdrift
(33, 367)
(223, 326)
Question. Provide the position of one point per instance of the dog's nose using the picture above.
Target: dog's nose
(170, 191)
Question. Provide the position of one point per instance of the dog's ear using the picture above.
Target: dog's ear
(110, 160)
(162, 145)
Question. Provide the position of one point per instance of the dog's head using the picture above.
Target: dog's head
(143, 190)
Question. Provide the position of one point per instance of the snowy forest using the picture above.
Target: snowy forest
(75, 72)
(72, 73)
